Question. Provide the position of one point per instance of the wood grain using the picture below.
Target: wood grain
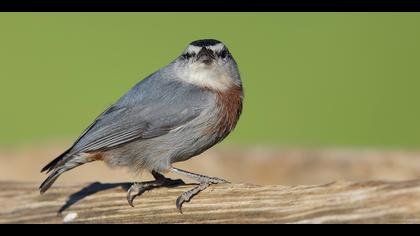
(338, 202)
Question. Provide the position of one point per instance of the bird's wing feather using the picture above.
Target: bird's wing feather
(150, 109)
(109, 110)
(67, 154)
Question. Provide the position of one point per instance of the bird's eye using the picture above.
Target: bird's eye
(187, 55)
(223, 53)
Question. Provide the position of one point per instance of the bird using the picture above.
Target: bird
(172, 115)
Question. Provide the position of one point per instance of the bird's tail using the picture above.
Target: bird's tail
(50, 180)
(58, 166)
(53, 164)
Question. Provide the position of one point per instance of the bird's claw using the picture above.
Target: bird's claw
(160, 181)
(179, 201)
(133, 192)
(139, 188)
(214, 180)
(188, 195)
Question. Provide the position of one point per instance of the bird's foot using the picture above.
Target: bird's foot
(187, 196)
(138, 189)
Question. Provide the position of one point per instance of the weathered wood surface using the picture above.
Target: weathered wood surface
(338, 202)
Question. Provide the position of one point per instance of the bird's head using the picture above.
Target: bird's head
(208, 63)
(206, 52)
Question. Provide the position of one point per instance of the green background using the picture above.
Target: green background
(311, 79)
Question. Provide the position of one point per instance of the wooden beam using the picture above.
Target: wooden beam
(338, 202)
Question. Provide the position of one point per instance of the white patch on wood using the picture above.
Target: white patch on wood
(70, 217)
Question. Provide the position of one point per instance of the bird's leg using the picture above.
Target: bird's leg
(138, 189)
(205, 181)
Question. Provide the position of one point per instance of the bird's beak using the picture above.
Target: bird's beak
(205, 55)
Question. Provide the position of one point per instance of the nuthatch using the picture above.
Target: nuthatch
(172, 115)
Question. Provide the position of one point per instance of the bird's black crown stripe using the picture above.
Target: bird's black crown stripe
(205, 42)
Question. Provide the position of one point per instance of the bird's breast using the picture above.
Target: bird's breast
(228, 109)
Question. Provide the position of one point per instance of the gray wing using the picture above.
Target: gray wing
(152, 108)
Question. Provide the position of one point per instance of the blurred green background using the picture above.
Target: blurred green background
(311, 79)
